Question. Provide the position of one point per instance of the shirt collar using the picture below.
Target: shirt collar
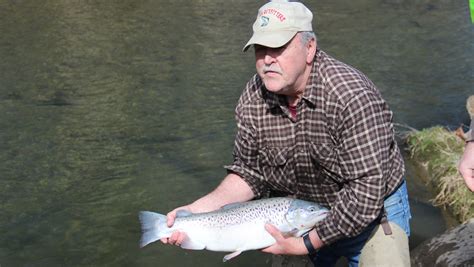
(272, 99)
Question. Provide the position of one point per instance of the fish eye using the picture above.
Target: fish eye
(312, 209)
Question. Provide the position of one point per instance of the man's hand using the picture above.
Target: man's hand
(177, 237)
(466, 165)
(232, 189)
(284, 245)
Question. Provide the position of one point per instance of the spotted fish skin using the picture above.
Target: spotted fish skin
(236, 227)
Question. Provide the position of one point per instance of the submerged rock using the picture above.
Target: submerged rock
(455, 247)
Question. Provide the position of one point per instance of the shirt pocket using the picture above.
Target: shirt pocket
(277, 165)
(320, 185)
(324, 160)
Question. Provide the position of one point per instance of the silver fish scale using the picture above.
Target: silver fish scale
(270, 210)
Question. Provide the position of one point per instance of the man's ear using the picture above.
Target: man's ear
(311, 51)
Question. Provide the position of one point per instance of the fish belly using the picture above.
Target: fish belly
(241, 237)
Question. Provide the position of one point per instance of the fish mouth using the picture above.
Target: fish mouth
(321, 214)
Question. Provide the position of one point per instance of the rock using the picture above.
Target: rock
(383, 250)
(291, 261)
(455, 247)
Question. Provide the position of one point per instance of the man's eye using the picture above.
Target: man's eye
(258, 48)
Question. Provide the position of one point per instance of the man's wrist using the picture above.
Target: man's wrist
(312, 242)
(309, 245)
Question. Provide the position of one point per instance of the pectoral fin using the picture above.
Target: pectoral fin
(231, 255)
(292, 232)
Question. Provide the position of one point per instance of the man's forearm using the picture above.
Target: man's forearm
(466, 165)
(231, 189)
(470, 135)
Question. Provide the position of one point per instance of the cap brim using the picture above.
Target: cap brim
(270, 39)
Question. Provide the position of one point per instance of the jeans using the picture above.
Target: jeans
(398, 211)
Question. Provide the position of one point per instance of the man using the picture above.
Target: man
(313, 128)
(466, 165)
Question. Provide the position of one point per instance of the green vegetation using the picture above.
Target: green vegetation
(439, 150)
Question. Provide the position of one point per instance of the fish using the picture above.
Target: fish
(235, 227)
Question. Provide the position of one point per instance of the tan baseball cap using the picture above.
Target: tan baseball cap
(278, 21)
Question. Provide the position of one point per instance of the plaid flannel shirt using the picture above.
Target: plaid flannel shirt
(339, 151)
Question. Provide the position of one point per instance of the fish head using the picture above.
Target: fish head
(303, 215)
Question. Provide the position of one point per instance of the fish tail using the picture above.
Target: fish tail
(151, 223)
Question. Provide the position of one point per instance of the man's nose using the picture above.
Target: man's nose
(270, 57)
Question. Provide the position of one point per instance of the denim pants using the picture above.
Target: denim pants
(398, 211)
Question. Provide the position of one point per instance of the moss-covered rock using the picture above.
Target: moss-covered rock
(439, 151)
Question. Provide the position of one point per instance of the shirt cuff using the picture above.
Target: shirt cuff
(328, 232)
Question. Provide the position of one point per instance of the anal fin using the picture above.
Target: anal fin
(231, 255)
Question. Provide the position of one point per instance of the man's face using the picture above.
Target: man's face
(282, 69)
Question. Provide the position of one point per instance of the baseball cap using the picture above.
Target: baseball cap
(278, 22)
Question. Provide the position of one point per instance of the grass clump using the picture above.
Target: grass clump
(439, 151)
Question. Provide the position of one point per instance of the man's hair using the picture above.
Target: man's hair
(307, 36)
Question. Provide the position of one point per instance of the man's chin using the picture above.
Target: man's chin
(273, 87)
(274, 90)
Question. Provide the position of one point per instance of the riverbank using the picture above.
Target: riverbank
(437, 151)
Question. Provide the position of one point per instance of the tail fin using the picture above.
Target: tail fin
(151, 223)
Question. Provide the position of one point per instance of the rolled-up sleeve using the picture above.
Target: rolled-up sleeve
(364, 158)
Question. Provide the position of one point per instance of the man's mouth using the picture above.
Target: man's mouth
(272, 73)
(271, 70)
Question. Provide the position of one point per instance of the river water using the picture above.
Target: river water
(111, 107)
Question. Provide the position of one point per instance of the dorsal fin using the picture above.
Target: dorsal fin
(183, 213)
(231, 206)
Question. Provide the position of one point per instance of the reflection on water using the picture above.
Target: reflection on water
(108, 108)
